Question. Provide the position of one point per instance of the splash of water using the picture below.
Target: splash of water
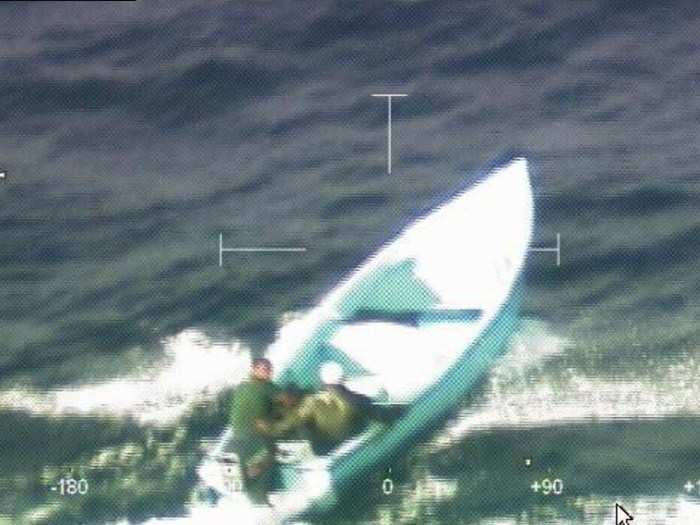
(600, 511)
(194, 369)
(529, 389)
(225, 512)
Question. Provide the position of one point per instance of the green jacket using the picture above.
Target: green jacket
(252, 400)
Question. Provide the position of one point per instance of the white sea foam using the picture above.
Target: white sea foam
(224, 513)
(590, 510)
(194, 369)
(522, 392)
(678, 510)
(529, 387)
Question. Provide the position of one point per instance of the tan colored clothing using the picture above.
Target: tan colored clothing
(330, 416)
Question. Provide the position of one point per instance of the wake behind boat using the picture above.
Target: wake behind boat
(414, 326)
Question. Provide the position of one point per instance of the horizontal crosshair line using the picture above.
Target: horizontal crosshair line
(556, 249)
(263, 249)
(255, 249)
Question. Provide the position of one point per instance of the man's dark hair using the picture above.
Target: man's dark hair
(261, 361)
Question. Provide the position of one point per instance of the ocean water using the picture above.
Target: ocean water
(134, 133)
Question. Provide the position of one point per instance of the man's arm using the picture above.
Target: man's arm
(294, 420)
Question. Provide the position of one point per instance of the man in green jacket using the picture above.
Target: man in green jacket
(252, 409)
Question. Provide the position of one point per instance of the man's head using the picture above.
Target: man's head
(261, 369)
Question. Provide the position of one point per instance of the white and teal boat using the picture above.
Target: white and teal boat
(417, 324)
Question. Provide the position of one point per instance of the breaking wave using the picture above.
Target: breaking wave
(194, 369)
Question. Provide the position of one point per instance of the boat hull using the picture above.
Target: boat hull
(423, 320)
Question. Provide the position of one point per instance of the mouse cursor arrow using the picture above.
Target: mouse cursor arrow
(622, 517)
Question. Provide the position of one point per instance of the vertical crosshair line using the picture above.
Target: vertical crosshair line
(221, 250)
(388, 96)
(388, 138)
